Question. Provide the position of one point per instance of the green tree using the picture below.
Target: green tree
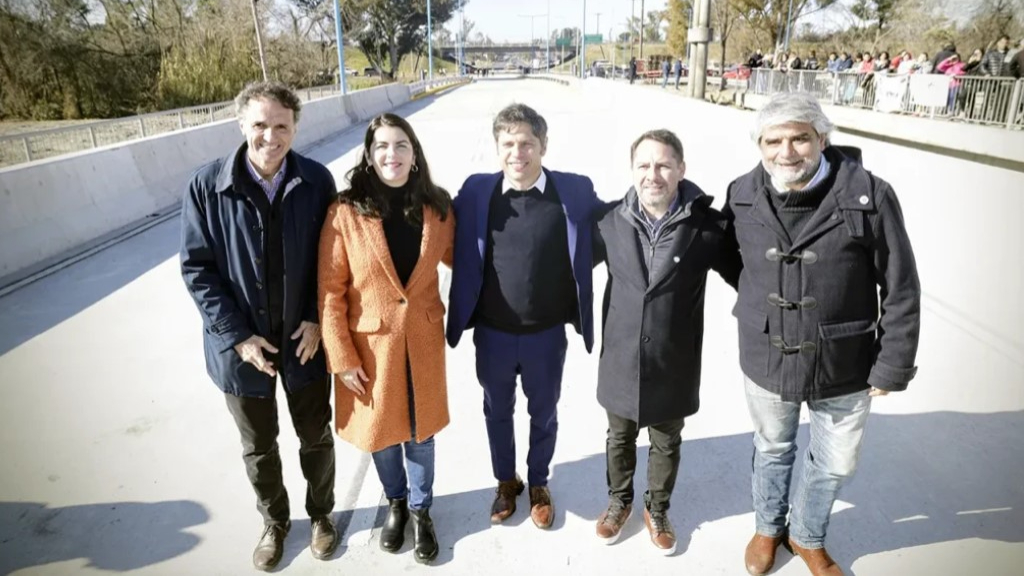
(678, 14)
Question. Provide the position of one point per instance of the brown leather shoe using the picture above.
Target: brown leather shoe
(542, 511)
(611, 521)
(324, 540)
(505, 501)
(270, 548)
(760, 554)
(662, 534)
(817, 560)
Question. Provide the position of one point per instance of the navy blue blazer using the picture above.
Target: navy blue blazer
(472, 207)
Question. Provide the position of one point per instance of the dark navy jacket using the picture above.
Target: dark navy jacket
(472, 206)
(222, 249)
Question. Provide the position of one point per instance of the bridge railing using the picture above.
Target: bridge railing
(40, 144)
(976, 99)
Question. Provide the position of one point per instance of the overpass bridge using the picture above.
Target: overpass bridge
(119, 454)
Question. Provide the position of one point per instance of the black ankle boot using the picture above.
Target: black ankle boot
(392, 536)
(424, 536)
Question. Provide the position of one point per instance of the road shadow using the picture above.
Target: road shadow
(923, 479)
(115, 536)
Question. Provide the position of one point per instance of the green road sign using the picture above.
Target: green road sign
(565, 42)
(593, 38)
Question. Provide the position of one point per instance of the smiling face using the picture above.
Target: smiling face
(391, 155)
(791, 153)
(520, 153)
(269, 129)
(657, 173)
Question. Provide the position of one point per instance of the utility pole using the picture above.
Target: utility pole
(598, 29)
(632, 22)
(430, 42)
(259, 41)
(339, 36)
(699, 35)
(583, 43)
(643, 16)
(547, 56)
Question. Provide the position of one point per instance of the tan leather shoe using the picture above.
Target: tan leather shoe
(611, 521)
(817, 560)
(505, 499)
(760, 555)
(662, 534)
(542, 511)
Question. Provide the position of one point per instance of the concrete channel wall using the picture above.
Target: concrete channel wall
(55, 206)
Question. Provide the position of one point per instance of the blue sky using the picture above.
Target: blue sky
(502, 20)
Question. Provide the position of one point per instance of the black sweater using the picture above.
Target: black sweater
(403, 238)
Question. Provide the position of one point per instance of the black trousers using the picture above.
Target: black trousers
(662, 460)
(256, 419)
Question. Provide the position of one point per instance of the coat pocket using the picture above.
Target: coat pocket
(435, 313)
(364, 324)
(754, 345)
(844, 350)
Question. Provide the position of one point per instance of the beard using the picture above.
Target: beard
(789, 176)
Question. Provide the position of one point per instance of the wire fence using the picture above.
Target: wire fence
(40, 144)
(975, 99)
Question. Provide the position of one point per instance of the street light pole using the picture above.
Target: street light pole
(642, 16)
(547, 56)
(340, 38)
(583, 42)
(789, 22)
(430, 42)
(632, 23)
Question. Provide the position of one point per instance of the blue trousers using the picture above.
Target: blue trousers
(538, 359)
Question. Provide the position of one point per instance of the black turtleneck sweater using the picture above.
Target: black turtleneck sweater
(795, 207)
(403, 238)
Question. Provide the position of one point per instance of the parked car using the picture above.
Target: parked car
(737, 72)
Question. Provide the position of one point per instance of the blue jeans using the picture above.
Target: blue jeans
(418, 458)
(837, 431)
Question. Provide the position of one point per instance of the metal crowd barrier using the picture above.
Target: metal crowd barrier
(40, 144)
(976, 99)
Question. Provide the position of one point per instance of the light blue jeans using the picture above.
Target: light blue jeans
(837, 431)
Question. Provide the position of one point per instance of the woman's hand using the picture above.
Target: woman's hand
(353, 380)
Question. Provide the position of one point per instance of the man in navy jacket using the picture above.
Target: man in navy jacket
(246, 219)
(522, 270)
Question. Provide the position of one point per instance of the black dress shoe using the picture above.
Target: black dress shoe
(325, 538)
(270, 547)
(392, 536)
(424, 536)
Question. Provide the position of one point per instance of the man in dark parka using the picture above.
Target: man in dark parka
(659, 242)
(824, 249)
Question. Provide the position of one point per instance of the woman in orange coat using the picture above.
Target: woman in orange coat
(381, 318)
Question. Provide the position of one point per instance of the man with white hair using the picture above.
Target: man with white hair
(824, 249)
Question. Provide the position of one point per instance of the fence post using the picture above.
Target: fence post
(142, 127)
(92, 136)
(1015, 103)
(210, 110)
(181, 122)
(835, 88)
(28, 149)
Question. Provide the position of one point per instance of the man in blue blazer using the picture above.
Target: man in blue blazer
(522, 270)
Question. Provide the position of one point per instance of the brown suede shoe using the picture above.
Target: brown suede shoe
(760, 554)
(662, 534)
(505, 501)
(542, 511)
(817, 560)
(611, 521)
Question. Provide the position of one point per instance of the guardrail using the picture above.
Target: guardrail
(40, 144)
(976, 99)
(417, 88)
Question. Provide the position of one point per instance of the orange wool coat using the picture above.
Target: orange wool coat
(369, 320)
